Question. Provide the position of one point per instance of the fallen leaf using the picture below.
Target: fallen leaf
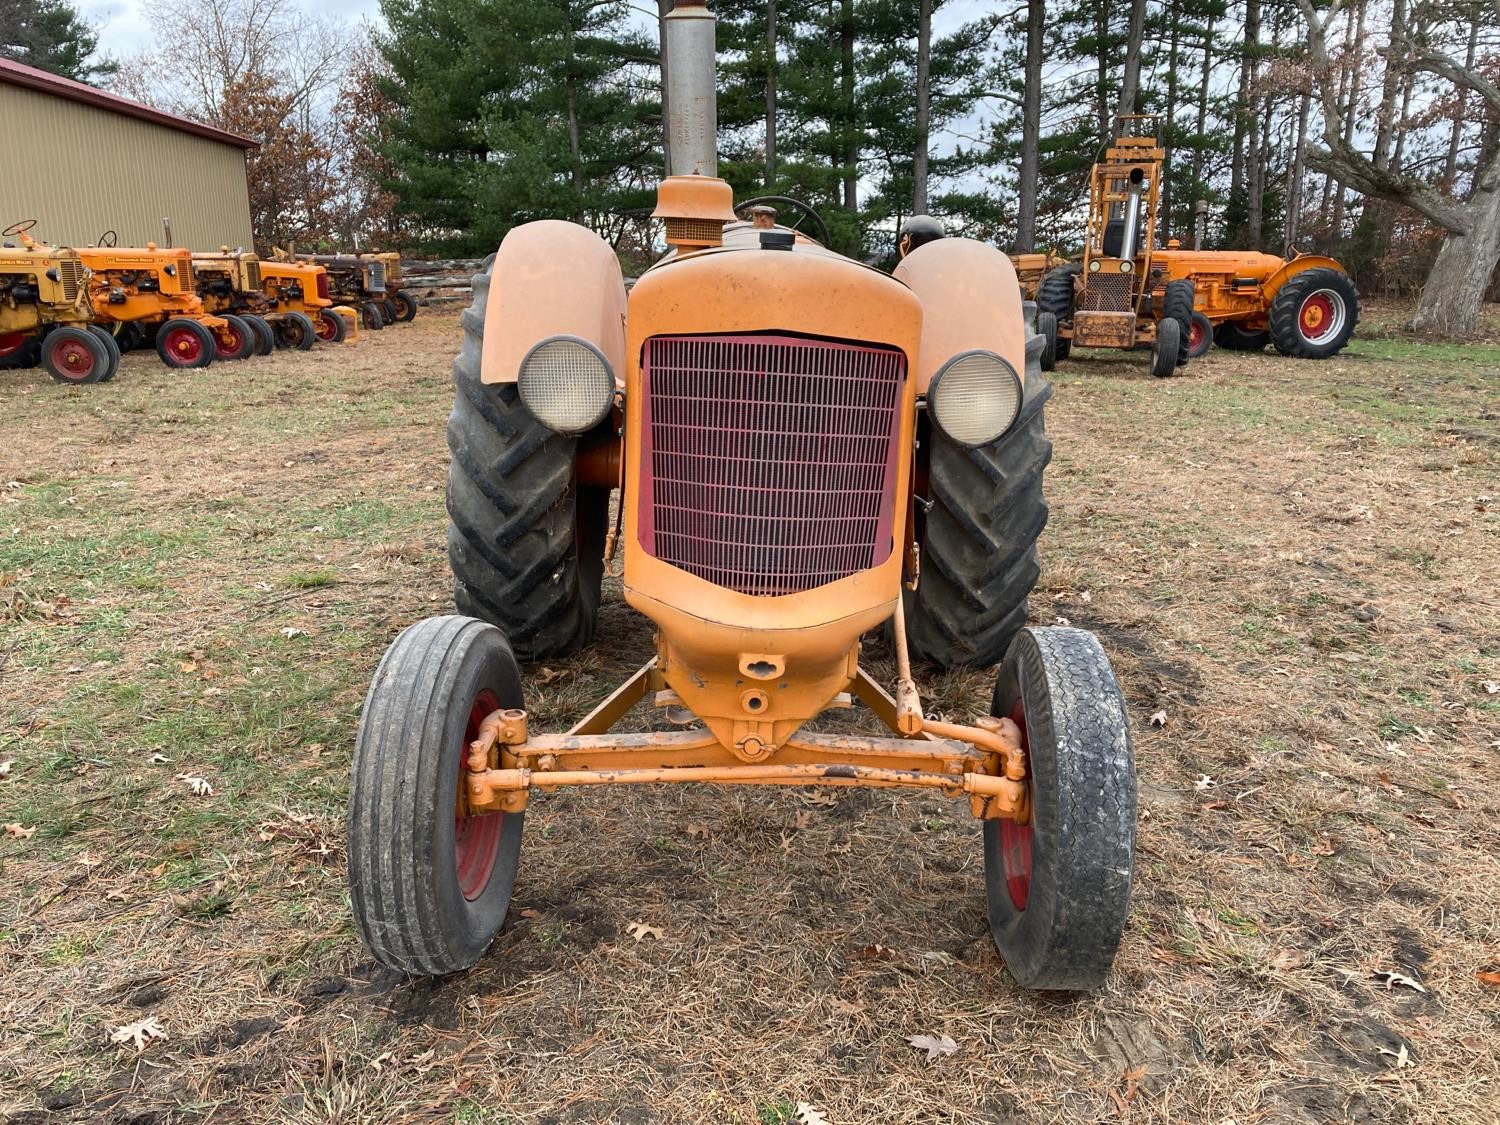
(935, 1047)
(158, 759)
(19, 832)
(821, 799)
(1159, 719)
(530, 913)
(1490, 977)
(5, 767)
(875, 953)
(697, 831)
(548, 675)
(1288, 959)
(640, 930)
(140, 1033)
(290, 631)
(1402, 1057)
(802, 819)
(1204, 783)
(1402, 979)
(807, 1115)
(199, 785)
(1063, 622)
(1491, 687)
(846, 1007)
(186, 666)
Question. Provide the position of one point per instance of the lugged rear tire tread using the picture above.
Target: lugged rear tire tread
(1177, 303)
(979, 559)
(516, 513)
(1286, 336)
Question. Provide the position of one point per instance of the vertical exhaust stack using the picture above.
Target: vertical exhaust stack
(1132, 232)
(691, 96)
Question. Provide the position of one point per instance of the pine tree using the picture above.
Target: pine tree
(51, 35)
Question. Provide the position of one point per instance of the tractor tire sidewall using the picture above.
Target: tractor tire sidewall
(1177, 303)
(978, 535)
(1083, 807)
(408, 905)
(265, 335)
(1165, 352)
(525, 541)
(388, 306)
(206, 351)
(1205, 329)
(1055, 293)
(406, 305)
(112, 349)
(249, 341)
(1286, 314)
(84, 339)
(338, 330)
(374, 315)
(299, 330)
(1046, 326)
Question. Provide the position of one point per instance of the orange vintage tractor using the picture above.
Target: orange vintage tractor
(361, 281)
(788, 433)
(1306, 306)
(151, 291)
(1031, 268)
(300, 291)
(1113, 298)
(45, 314)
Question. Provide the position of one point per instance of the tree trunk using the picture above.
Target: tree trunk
(1101, 71)
(1031, 129)
(850, 113)
(1254, 161)
(1201, 132)
(773, 70)
(1389, 87)
(1131, 78)
(924, 108)
(1454, 289)
(1350, 109)
(1164, 224)
(1295, 175)
(1456, 134)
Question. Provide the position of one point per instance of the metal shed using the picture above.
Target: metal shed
(82, 161)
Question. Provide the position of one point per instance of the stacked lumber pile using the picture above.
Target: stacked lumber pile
(440, 283)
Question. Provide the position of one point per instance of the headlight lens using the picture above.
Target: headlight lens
(566, 382)
(975, 397)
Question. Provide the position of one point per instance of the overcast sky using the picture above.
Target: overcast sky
(123, 29)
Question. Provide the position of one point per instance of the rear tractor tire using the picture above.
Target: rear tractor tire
(1314, 314)
(525, 540)
(236, 340)
(183, 344)
(1058, 888)
(74, 355)
(1056, 295)
(1167, 351)
(978, 532)
(295, 330)
(1200, 337)
(430, 883)
(404, 304)
(112, 351)
(1177, 303)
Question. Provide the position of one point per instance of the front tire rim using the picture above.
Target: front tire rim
(73, 360)
(476, 838)
(1016, 839)
(326, 329)
(230, 344)
(1321, 315)
(184, 346)
(402, 305)
(1195, 336)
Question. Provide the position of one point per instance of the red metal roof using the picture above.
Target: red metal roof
(15, 74)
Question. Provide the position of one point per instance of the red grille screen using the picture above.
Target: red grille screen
(768, 463)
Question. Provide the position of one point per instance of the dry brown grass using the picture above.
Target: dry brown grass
(1296, 562)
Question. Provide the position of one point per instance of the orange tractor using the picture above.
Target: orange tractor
(45, 313)
(1114, 298)
(281, 304)
(149, 293)
(803, 450)
(1305, 306)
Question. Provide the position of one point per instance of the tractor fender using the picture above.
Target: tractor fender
(552, 278)
(971, 301)
(1290, 269)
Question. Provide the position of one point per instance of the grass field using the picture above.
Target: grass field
(1294, 566)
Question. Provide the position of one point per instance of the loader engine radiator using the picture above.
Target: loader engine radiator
(377, 277)
(1107, 292)
(70, 274)
(768, 463)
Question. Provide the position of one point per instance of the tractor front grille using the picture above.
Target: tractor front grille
(252, 277)
(1107, 292)
(377, 277)
(768, 463)
(70, 273)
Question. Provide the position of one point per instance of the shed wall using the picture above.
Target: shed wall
(80, 170)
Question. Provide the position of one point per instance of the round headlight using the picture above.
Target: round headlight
(1126, 267)
(1094, 266)
(566, 382)
(975, 397)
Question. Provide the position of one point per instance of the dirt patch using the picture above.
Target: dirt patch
(1291, 565)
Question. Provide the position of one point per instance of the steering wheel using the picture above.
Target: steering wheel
(805, 211)
(18, 228)
(111, 235)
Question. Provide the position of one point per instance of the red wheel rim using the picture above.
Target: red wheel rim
(183, 345)
(230, 342)
(326, 328)
(72, 359)
(11, 344)
(1016, 839)
(476, 839)
(1316, 316)
(1195, 335)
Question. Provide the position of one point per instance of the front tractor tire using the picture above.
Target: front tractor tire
(404, 304)
(1313, 315)
(525, 540)
(983, 514)
(1046, 326)
(1056, 295)
(1167, 351)
(1177, 303)
(184, 344)
(430, 883)
(1200, 337)
(1058, 888)
(331, 327)
(295, 330)
(111, 351)
(74, 355)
